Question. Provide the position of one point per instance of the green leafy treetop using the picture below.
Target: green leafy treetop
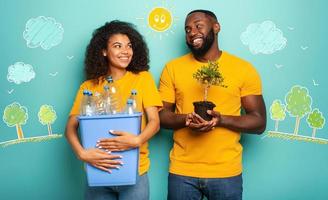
(316, 119)
(298, 101)
(209, 75)
(47, 114)
(15, 114)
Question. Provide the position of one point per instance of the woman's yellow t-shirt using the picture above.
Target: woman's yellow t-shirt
(147, 96)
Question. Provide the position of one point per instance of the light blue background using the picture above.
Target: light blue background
(273, 168)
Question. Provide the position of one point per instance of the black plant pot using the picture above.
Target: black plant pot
(201, 107)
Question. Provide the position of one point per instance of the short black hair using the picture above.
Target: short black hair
(206, 12)
(96, 65)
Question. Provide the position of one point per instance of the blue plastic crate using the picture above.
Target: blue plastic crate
(93, 128)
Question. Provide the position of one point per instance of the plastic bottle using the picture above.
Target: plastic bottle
(113, 97)
(129, 107)
(107, 100)
(99, 104)
(87, 104)
(133, 96)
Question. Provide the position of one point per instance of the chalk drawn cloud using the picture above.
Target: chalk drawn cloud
(43, 32)
(20, 72)
(263, 38)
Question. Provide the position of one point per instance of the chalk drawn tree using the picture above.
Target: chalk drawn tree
(15, 115)
(298, 104)
(47, 116)
(315, 120)
(278, 113)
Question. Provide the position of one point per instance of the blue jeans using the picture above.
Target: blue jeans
(190, 188)
(139, 191)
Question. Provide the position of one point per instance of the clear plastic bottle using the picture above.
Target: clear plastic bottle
(87, 105)
(112, 97)
(107, 100)
(133, 96)
(129, 107)
(99, 103)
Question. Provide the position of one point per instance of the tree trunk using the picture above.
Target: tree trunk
(19, 131)
(297, 124)
(276, 125)
(49, 129)
(206, 92)
(313, 132)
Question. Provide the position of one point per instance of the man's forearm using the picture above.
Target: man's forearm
(171, 120)
(248, 123)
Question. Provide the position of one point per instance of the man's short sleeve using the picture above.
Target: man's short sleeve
(166, 86)
(252, 83)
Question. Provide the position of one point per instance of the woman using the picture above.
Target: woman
(118, 50)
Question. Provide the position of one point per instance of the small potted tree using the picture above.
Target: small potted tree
(207, 75)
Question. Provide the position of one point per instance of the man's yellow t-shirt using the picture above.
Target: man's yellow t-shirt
(216, 153)
(147, 96)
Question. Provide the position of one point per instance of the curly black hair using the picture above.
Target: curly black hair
(96, 65)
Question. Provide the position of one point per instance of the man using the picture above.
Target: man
(206, 158)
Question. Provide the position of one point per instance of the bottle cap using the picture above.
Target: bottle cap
(85, 92)
(109, 79)
(134, 92)
(130, 101)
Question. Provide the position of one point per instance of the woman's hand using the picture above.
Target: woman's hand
(123, 141)
(101, 159)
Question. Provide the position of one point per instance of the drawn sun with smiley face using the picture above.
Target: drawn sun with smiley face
(160, 21)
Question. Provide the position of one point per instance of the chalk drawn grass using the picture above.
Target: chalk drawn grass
(288, 136)
(30, 139)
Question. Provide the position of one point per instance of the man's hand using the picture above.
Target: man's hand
(123, 141)
(198, 124)
(216, 117)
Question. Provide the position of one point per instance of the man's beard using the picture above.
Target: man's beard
(201, 51)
